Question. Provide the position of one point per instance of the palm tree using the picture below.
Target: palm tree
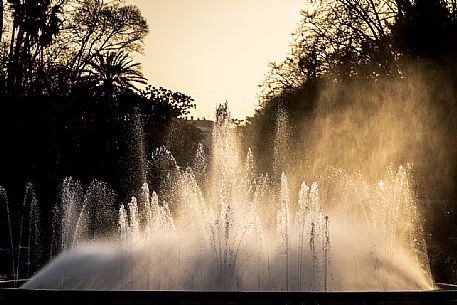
(35, 24)
(113, 74)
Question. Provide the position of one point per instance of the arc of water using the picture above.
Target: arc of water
(33, 227)
(10, 231)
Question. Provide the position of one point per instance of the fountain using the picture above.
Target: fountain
(218, 226)
(26, 250)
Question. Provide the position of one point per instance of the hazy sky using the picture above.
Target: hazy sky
(216, 50)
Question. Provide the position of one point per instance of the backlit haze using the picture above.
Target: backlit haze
(216, 50)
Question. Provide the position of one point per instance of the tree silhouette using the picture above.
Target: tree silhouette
(164, 105)
(426, 30)
(35, 24)
(112, 74)
(97, 27)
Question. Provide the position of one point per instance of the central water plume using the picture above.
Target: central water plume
(220, 226)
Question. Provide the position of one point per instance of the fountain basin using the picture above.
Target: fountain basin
(39, 296)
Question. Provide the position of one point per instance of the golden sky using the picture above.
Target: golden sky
(216, 50)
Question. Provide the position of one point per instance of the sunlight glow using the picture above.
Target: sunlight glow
(216, 51)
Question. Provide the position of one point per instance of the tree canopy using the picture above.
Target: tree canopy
(341, 48)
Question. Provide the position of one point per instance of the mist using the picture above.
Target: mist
(365, 127)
